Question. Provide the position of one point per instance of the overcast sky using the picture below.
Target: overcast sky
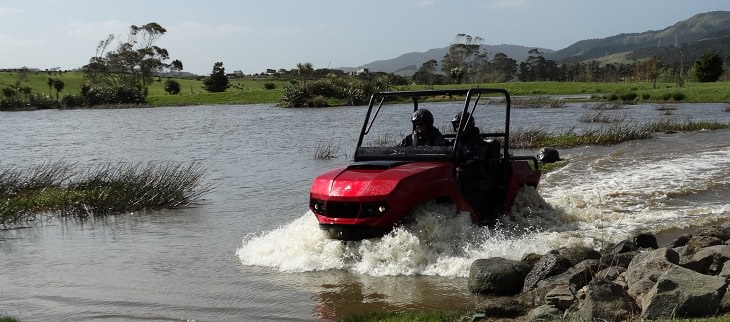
(253, 35)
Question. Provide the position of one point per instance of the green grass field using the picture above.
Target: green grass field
(250, 91)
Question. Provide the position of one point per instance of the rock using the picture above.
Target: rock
(561, 296)
(578, 254)
(576, 276)
(620, 259)
(645, 269)
(501, 307)
(679, 241)
(497, 276)
(544, 313)
(610, 273)
(708, 260)
(681, 292)
(700, 241)
(605, 301)
(645, 241)
(549, 265)
(720, 232)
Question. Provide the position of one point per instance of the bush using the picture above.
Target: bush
(628, 97)
(115, 95)
(678, 96)
(353, 91)
(172, 87)
(41, 101)
(269, 86)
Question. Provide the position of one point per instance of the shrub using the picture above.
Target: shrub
(678, 96)
(628, 97)
(42, 101)
(269, 86)
(172, 87)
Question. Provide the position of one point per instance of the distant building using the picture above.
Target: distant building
(362, 71)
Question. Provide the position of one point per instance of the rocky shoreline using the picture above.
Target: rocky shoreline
(629, 280)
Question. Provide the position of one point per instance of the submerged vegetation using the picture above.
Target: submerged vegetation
(70, 190)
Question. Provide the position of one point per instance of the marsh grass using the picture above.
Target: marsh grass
(536, 102)
(602, 116)
(614, 105)
(325, 150)
(612, 134)
(62, 189)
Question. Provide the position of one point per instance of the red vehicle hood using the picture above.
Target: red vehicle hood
(377, 179)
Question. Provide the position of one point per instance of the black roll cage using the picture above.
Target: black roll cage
(433, 153)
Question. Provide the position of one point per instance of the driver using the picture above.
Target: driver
(424, 133)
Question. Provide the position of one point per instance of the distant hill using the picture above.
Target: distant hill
(701, 32)
(407, 64)
(696, 35)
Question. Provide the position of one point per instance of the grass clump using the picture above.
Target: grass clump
(62, 189)
(326, 150)
(601, 116)
(608, 135)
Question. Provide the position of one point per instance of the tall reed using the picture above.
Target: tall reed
(62, 189)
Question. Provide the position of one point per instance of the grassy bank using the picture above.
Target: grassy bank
(252, 91)
(61, 189)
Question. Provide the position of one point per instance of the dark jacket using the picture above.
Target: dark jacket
(473, 147)
(432, 136)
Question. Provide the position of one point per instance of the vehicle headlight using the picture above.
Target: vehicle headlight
(318, 206)
(374, 209)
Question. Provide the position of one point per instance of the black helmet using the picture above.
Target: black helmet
(457, 118)
(422, 115)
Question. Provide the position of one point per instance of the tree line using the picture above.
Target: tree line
(123, 74)
(467, 61)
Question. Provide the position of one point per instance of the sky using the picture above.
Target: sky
(253, 35)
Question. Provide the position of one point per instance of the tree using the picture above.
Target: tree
(503, 66)
(134, 63)
(217, 81)
(172, 87)
(649, 69)
(463, 58)
(426, 73)
(50, 85)
(58, 85)
(709, 67)
(304, 70)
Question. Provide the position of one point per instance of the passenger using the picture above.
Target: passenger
(473, 147)
(472, 172)
(424, 133)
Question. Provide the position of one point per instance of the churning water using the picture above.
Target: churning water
(252, 250)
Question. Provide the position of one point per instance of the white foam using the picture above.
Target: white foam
(439, 242)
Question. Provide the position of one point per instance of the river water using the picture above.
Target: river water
(252, 251)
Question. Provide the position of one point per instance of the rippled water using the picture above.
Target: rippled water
(252, 251)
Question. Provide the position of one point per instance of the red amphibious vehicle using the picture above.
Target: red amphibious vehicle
(377, 191)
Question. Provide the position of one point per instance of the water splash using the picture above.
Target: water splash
(438, 242)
